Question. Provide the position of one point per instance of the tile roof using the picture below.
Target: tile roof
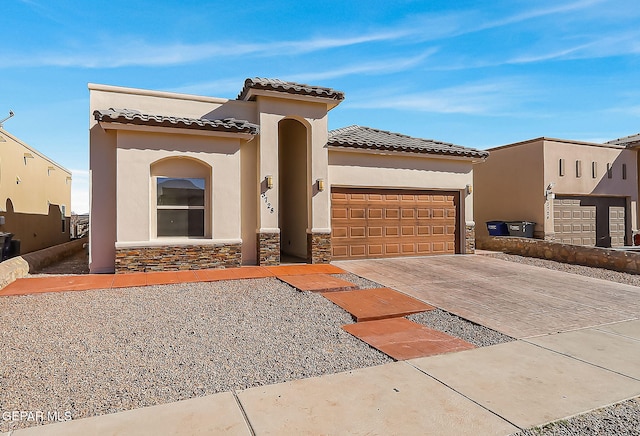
(128, 116)
(627, 141)
(374, 139)
(287, 87)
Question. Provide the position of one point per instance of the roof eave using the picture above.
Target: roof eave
(253, 93)
(114, 125)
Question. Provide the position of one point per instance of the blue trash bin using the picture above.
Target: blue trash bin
(497, 228)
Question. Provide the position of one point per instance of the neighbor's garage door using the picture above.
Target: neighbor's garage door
(370, 223)
(574, 223)
(617, 225)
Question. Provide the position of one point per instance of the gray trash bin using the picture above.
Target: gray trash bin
(523, 229)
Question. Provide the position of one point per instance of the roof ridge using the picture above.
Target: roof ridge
(279, 85)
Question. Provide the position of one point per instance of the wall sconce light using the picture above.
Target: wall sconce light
(18, 180)
(269, 180)
(548, 193)
(469, 189)
(321, 185)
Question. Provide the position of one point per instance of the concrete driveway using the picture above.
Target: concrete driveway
(518, 300)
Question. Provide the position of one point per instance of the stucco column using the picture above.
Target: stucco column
(319, 232)
(268, 232)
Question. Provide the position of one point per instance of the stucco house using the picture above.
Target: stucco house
(576, 192)
(35, 195)
(188, 182)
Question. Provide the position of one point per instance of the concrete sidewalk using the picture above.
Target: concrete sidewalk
(491, 390)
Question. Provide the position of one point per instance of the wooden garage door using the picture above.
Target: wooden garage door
(370, 223)
(574, 223)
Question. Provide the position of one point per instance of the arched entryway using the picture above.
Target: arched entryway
(293, 195)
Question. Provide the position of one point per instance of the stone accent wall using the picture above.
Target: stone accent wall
(616, 260)
(178, 258)
(318, 247)
(469, 238)
(268, 249)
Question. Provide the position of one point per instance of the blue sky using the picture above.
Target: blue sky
(475, 73)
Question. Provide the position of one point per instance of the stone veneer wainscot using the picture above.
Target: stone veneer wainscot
(318, 247)
(178, 257)
(268, 249)
(470, 239)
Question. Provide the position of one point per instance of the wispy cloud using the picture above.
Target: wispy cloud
(537, 13)
(496, 98)
(137, 52)
(385, 66)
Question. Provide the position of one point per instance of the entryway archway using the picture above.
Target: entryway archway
(293, 195)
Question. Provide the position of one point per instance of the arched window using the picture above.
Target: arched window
(181, 202)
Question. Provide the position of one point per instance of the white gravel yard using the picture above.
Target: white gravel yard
(105, 351)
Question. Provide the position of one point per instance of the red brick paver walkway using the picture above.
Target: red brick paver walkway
(378, 303)
(403, 339)
(37, 285)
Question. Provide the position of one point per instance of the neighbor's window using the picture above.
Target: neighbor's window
(624, 171)
(180, 206)
(561, 167)
(594, 170)
(578, 168)
(609, 171)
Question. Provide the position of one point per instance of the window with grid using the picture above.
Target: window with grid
(180, 206)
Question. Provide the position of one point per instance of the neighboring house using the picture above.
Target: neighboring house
(79, 226)
(35, 196)
(188, 182)
(632, 141)
(576, 192)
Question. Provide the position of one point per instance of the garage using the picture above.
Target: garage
(590, 220)
(377, 223)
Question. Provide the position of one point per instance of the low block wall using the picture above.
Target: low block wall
(21, 266)
(41, 258)
(616, 260)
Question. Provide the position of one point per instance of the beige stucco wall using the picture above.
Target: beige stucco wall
(601, 185)
(121, 157)
(314, 116)
(135, 190)
(509, 186)
(366, 169)
(37, 187)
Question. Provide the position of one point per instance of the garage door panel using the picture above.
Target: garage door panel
(574, 223)
(357, 232)
(374, 232)
(375, 249)
(339, 232)
(384, 223)
(375, 213)
(339, 212)
(408, 213)
(392, 214)
(392, 249)
(408, 231)
(391, 231)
